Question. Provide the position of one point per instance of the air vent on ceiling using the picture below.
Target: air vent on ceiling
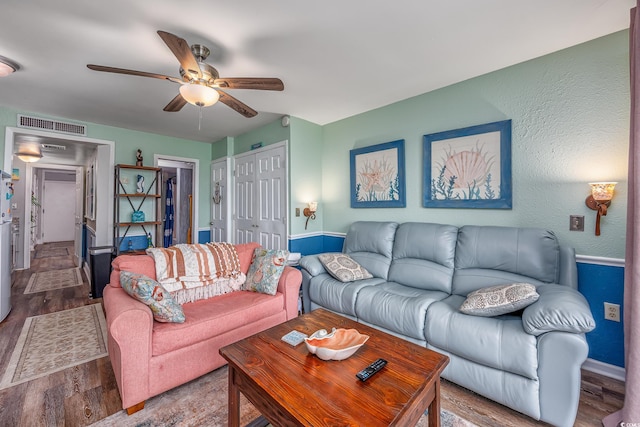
(53, 147)
(52, 125)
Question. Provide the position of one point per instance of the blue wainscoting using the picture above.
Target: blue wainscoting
(204, 236)
(601, 283)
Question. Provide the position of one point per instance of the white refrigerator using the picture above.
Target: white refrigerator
(6, 192)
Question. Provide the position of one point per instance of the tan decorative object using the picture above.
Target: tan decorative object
(56, 341)
(53, 279)
(337, 345)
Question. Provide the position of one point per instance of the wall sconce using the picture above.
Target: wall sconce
(600, 199)
(310, 212)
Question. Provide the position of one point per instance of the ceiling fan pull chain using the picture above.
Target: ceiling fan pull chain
(199, 117)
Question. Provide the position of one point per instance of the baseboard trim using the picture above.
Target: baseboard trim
(606, 369)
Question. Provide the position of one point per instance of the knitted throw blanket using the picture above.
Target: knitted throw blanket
(190, 272)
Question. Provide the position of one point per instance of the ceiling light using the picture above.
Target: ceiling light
(7, 67)
(29, 153)
(199, 95)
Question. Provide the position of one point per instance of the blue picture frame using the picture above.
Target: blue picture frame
(468, 168)
(378, 176)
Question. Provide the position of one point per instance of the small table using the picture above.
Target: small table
(292, 387)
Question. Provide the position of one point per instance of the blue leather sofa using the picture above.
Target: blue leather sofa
(529, 360)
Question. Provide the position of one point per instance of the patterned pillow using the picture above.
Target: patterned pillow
(265, 270)
(343, 267)
(151, 293)
(501, 299)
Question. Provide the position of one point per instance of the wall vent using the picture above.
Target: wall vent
(32, 122)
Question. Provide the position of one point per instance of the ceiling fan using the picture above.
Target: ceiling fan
(201, 85)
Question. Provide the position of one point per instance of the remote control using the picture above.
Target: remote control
(368, 372)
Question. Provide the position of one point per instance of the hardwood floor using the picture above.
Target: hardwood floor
(84, 394)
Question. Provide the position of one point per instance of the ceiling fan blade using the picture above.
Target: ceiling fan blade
(176, 104)
(237, 105)
(182, 51)
(249, 83)
(132, 72)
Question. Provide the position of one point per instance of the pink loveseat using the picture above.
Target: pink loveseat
(150, 357)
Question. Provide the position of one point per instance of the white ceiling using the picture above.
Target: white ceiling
(336, 58)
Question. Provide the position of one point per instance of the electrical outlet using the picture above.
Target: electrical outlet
(612, 311)
(576, 223)
(297, 211)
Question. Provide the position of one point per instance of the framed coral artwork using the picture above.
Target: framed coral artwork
(468, 167)
(377, 176)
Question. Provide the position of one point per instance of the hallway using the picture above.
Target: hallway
(76, 396)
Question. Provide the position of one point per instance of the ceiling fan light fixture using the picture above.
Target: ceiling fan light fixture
(29, 153)
(7, 67)
(199, 95)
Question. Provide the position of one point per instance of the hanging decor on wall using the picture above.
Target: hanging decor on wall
(377, 176)
(469, 167)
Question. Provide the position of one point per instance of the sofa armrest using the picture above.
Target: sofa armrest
(289, 286)
(312, 264)
(559, 308)
(129, 325)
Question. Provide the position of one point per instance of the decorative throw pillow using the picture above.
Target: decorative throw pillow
(501, 299)
(265, 270)
(343, 267)
(151, 293)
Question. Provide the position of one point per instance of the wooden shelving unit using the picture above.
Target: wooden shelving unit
(127, 202)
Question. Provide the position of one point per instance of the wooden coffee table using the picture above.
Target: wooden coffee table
(292, 387)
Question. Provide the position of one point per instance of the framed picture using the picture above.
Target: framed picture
(468, 168)
(377, 176)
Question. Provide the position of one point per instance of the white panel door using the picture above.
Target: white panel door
(219, 201)
(244, 215)
(271, 172)
(58, 211)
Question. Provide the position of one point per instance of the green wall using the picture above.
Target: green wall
(267, 134)
(126, 144)
(305, 174)
(570, 119)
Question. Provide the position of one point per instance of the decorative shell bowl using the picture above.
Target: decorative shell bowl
(338, 344)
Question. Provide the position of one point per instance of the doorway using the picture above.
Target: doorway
(79, 149)
(179, 201)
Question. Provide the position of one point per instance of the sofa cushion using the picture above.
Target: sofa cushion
(213, 317)
(497, 342)
(370, 244)
(334, 295)
(501, 299)
(142, 264)
(149, 292)
(245, 254)
(559, 308)
(488, 256)
(265, 270)
(396, 308)
(423, 256)
(343, 267)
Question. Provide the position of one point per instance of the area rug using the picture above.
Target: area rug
(48, 252)
(52, 342)
(53, 279)
(203, 402)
